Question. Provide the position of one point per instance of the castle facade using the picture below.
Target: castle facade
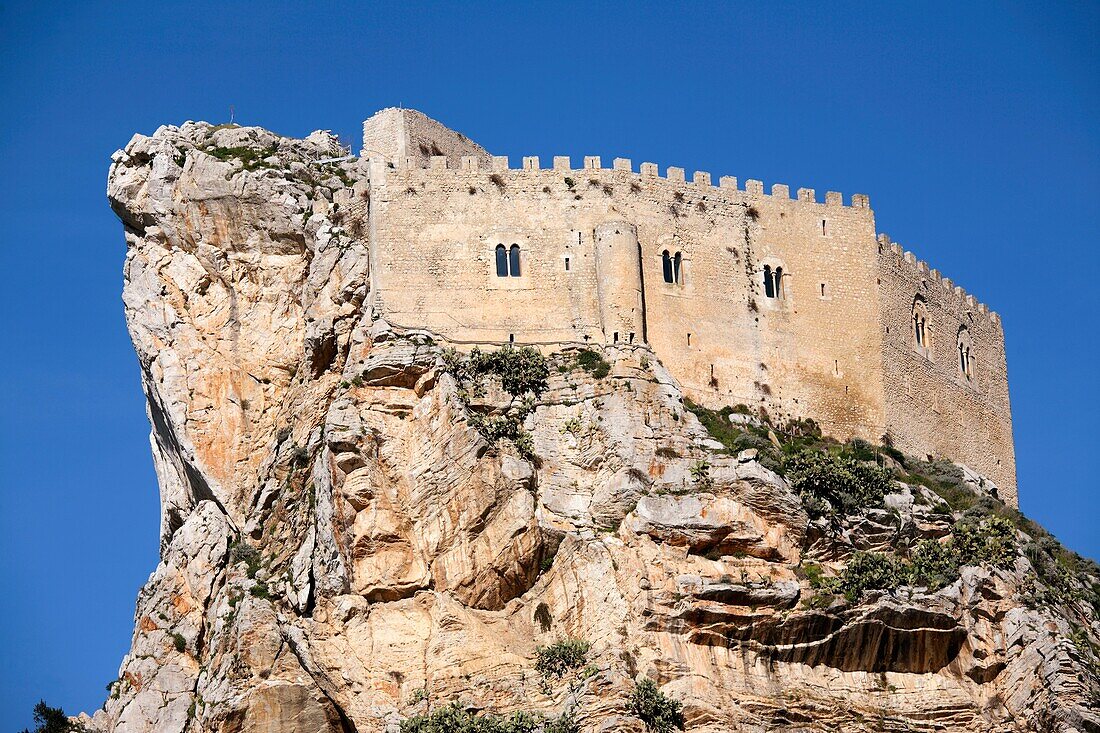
(784, 303)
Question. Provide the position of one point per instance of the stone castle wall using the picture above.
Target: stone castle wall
(832, 347)
(933, 408)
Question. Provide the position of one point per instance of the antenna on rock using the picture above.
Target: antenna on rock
(231, 114)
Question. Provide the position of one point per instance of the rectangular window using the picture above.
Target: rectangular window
(567, 264)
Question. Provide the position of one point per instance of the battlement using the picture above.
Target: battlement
(699, 181)
(955, 294)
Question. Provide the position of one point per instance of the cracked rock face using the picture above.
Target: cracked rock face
(341, 549)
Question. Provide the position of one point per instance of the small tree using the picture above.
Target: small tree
(560, 657)
(835, 486)
(660, 713)
(52, 720)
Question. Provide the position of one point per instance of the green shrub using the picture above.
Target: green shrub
(52, 720)
(261, 590)
(988, 541)
(521, 371)
(814, 574)
(836, 485)
(453, 719)
(660, 713)
(861, 450)
(933, 564)
(593, 363)
(700, 472)
(250, 158)
(179, 642)
(870, 571)
(241, 551)
(560, 657)
(523, 374)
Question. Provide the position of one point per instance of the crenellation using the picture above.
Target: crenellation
(834, 198)
(861, 201)
(673, 175)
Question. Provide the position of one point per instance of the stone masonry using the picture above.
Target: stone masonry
(836, 342)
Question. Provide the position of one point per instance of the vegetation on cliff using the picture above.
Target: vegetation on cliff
(52, 720)
(839, 482)
(522, 373)
(452, 718)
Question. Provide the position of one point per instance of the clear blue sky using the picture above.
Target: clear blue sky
(974, 127)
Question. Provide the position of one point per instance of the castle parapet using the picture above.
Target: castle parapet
(647, 170)
(922, 269)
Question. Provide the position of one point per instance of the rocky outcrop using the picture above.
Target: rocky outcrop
(342, 547)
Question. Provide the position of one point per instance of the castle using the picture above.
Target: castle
(791, 305)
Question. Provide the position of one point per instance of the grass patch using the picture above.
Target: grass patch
(250, 158)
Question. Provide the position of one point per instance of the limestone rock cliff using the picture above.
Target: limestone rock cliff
(343, 548)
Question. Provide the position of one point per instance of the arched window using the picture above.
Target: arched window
(513, 261)
(920, 324)
(666, 267)
(502, 261)
(769, 283)
(677, 268)
(965, 358)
